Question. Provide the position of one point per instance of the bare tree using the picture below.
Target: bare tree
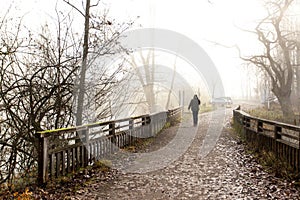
(276, 59)
(37, 82)
(146, 76)
(95, 80)
(37, 77)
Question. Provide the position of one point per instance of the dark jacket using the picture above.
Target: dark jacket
(194, 104)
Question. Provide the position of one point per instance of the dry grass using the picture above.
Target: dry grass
(274, 114)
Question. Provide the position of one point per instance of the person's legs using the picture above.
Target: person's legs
(195, 118)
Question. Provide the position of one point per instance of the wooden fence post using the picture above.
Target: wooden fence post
(86, 150)
(298, 163)
(278, 130)
(144, 121)
(277, 136)
(131, 127)
(148, 127)
(42, 159)
(143, 128)
(112, 132)
(259, 127)
(244, 121)
(299, 141)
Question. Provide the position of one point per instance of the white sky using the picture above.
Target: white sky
(197, 19)
(203, 22)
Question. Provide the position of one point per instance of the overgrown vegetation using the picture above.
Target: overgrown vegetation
(276, 165)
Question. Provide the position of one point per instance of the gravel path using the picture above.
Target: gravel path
(226, 172)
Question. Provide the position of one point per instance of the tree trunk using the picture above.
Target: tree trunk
(287, 109)
(80, 102)
(172, 85)
(298, 80)
(149, 94)
(286, 105)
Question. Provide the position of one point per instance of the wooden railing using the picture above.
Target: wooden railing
(280, 138)
(62, 151)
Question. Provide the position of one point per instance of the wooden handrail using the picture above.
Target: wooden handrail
(271, 123)
(281, 138)
(60, 152)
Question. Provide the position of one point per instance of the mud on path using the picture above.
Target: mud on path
(227, 172)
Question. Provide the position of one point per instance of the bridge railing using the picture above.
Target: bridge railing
(62, 151)
(280, 138)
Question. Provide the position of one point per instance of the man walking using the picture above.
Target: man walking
(194, 105)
